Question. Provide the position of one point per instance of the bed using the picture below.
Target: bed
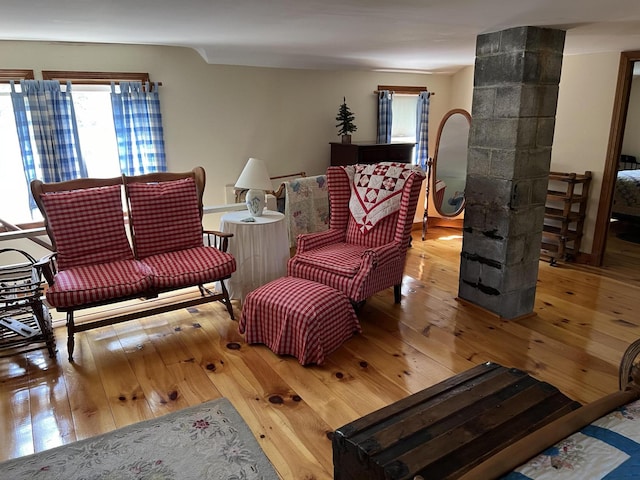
(607, 448)
(626, 196)
(600, 440)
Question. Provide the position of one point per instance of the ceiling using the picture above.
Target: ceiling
(394, 35)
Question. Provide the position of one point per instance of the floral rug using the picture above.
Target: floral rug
(208, 441)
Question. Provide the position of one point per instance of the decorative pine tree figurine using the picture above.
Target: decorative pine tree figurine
(345, 122)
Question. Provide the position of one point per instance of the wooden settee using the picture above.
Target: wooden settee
(97, 263)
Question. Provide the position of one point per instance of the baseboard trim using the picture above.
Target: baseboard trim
(440, 222)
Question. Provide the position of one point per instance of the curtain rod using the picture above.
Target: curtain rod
(80, 81)
(96, 78)
(376, 92)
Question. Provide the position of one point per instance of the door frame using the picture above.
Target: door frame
(614, 148)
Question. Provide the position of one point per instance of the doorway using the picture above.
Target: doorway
(608, 247)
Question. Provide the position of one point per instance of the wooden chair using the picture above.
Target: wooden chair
(95, 264)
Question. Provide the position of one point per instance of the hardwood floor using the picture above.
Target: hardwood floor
(142, 369)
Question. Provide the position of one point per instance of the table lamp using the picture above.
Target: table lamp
(255, 178)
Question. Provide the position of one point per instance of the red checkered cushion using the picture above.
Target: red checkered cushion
(193, 266)
(339, 186)
(87, 226)
(373, 270)
(90, 284)
(309, 322)
(339, 258)
(165, 216)
(383, 232)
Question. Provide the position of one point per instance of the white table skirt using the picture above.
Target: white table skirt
(261, 250)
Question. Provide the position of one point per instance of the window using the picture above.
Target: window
(14, 193)
(405, 105)
(403, 108)
(92, 104)
(403, 127)
(96, 132)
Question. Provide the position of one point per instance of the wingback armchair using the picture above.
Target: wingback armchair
(372, 209)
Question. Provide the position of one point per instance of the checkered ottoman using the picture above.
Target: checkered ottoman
(294, 316)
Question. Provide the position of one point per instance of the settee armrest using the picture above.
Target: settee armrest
(311, 241)
(217, 239)
(48, 267)
(382, 254)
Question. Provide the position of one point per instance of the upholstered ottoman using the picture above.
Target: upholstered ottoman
(294, 316)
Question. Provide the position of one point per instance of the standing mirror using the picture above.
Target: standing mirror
(448, 169)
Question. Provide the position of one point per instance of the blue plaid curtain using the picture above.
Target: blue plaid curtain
(42, 107)
(138, 124)
(422, 130)
(385, 115)
(24, 138)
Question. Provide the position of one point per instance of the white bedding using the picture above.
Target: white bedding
(626, 196)
(609, 448)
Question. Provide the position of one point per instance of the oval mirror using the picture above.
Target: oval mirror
(449, 167)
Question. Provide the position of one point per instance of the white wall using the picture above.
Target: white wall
(287, 117)
(583, 120)
(460, 96)
(631, 140)
(462, 89)
(218, 116)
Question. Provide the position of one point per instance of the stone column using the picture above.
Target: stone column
(515, 94)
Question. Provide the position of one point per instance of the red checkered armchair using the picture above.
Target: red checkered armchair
(357, 256)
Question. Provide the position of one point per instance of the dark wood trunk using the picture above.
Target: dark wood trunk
(445, 430)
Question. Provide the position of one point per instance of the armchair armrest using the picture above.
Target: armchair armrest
(383, 254)
(311, 241)
(217, 239)
(48, 267)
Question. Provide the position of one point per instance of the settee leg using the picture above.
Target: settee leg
(71, 343)
(397, 293)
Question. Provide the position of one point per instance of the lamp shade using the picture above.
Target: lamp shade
(254, 176)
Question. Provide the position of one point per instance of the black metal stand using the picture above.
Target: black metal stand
(425, 217)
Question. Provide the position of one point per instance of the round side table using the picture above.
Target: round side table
(261, 250)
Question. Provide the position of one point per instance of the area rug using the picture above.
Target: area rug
(208, 441)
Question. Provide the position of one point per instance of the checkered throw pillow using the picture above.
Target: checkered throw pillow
(165, 216)
(87, 226)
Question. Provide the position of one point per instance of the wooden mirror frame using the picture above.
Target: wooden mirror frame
(614, 148)
(432, 170)
(434, 163)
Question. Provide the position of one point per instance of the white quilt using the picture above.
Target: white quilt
(376, 191)
(609, 448)
(306, 206)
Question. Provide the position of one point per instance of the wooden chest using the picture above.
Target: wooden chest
(445, 430)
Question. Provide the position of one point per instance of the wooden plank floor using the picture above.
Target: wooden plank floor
(123, 374)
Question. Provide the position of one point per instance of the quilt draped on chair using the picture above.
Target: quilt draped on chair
(306, 206)
(376, 191)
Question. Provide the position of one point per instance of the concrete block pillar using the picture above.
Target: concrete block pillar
(515, 94)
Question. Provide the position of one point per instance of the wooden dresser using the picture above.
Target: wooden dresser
(369, 152)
